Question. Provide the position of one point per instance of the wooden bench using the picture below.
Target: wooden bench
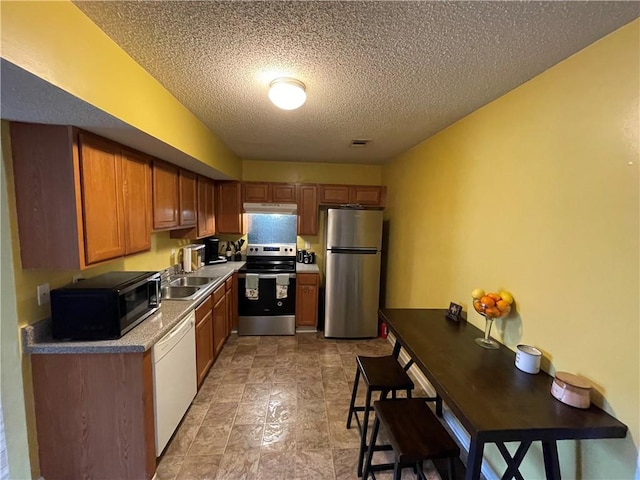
(415, 435)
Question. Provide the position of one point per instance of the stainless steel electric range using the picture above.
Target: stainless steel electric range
(267, 290)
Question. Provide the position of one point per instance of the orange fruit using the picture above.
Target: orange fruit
(492, 312)
(495, 296)
(487, 301)
(477, 305)
(503, 306)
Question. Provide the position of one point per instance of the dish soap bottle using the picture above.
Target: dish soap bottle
(228, 252)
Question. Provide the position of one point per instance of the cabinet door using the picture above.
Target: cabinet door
(230, 305)
(307, 210)
(188, 198)
(136, 173)
(283, 192)
(228, 207)
(219, 322)
(307, 299)
(204, 346)
(102, 199)
(255, 192)
(165, 196)
(234, 300)
(334, 194)
(367, 195)
(206, 219)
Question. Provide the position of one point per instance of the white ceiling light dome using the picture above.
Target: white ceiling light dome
(287, 93)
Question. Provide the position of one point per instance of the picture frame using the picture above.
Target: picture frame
(454, 312)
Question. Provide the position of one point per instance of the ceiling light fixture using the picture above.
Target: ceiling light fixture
(287, 93)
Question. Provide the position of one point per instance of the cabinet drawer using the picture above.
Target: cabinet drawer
(203, 309)
(218, 294)
(307, 279)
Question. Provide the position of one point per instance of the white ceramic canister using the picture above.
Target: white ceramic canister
(528, 358)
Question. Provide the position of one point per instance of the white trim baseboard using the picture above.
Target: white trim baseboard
(459, 433)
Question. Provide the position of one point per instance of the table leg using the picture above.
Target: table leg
(551, 463)
(513, 463)
(474, 461)
(396, 348)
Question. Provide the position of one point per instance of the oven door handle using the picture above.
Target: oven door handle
(265, 275)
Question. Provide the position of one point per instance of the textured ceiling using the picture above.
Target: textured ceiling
(394, 73)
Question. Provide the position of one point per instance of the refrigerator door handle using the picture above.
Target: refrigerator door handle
(354, 250)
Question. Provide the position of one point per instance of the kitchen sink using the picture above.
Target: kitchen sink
(192, 281)
(179, 293)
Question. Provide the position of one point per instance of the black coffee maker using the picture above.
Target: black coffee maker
(211, 250)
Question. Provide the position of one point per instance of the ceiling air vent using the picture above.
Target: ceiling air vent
(359, 143)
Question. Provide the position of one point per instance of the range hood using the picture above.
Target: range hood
(278, 208)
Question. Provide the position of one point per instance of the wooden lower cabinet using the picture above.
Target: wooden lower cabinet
(204, 339)
(307, 299)
(234, 298)
(94, 415)
(228, 298)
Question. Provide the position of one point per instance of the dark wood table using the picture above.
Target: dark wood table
(495, 401)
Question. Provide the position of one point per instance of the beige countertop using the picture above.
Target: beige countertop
(307, 268)
(37, 337)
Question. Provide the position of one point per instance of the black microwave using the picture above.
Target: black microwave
(104, 307)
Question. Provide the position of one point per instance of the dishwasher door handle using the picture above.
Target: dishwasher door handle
(166, 343)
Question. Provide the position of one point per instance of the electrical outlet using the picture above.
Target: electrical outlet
(43, 294)
(77, 277)
(307, 245)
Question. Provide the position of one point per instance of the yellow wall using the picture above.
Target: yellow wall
(309, 172)
(58, 43)
(538, 193)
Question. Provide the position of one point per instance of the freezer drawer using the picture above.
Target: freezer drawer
(352, 294)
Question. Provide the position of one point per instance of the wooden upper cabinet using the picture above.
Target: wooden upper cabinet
(188, 199)
(228, 207)
(166, 196)
(334, 194)
(307, 209)
(263, 192)
(255, 192)
(367, 195)
(80, 199)
(370, 195)
(102, 199)
(206, 215)
(136, 174)
(283, 193)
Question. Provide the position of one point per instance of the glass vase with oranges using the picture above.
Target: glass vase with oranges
(491, 306)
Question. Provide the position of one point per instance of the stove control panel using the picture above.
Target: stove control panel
(276, 250)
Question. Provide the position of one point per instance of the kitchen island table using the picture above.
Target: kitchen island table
(494, 401)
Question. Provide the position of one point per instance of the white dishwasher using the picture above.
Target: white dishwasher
(174, 378)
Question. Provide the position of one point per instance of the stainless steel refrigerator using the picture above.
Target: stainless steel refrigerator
(352, 273)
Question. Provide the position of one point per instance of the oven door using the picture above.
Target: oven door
(267, 314)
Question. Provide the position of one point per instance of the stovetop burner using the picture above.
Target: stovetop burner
(258, 264)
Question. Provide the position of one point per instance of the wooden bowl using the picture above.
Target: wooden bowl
(571, 390)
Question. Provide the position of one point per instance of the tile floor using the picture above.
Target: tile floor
(275, 408)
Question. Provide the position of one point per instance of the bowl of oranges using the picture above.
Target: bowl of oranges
(491, 305)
